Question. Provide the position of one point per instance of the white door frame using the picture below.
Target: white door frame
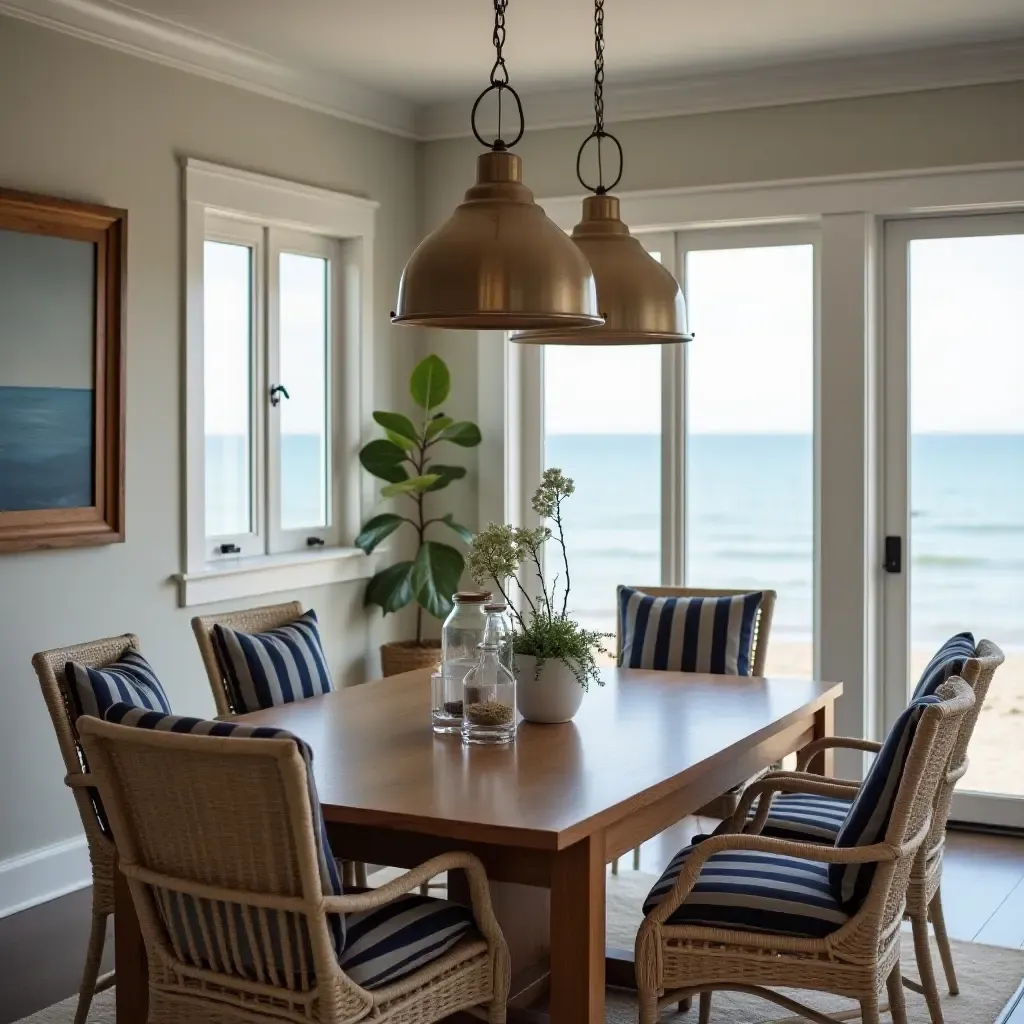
(895, 434)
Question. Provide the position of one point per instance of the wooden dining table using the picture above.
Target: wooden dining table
(545, 814)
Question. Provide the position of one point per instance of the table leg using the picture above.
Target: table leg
(132, 990)
(577, 933)
(824, 725)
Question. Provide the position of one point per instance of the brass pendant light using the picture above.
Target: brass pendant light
(641, 302)
(498, 263)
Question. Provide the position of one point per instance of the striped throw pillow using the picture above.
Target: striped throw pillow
(948, 660)
(201, 909)
(688, 634)
(868, 818)
(129, 681)
(264, 670)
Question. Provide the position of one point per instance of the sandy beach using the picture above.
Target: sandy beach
(1000, 728)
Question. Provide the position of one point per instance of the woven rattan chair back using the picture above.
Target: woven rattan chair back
(249, 620)
(762, 622)
(49, 667)
(978, 673)
(925, 769)
(226, 822)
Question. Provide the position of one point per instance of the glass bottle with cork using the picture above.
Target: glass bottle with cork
(489, 691)
(461, 634)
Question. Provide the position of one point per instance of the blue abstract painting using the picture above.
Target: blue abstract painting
(46, 448)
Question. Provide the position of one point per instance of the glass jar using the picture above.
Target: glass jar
(461, 633)
(489, 693)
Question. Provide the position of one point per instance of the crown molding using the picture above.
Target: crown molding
(744, 88)
(165, 42)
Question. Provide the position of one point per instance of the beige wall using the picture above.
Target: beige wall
(84, 122)
(939, 128)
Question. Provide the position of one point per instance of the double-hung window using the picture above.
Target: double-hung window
(277, 301)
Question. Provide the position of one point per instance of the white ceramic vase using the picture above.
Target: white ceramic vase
(551, 697)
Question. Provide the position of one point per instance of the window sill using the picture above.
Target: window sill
(269, 574)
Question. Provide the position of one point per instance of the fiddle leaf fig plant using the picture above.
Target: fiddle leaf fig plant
(405, 459)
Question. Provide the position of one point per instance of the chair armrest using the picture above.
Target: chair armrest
(874, 854)
(83, 780)
(476, 876)
(777, 782)
(805, 756)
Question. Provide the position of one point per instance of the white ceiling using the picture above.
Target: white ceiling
(412, 66)
(431, 50)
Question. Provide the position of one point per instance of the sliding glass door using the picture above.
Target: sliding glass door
(954, 475)
(750, 412)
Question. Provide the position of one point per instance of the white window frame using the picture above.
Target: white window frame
(849, 213)
(273, 215)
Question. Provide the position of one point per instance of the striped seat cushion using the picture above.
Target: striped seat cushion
(688, 634)
(752, 891)
(212, 911)
(869, 815)
(131, 680)
(387, 943)
(279, 666)
(948, 660)
(805, 817)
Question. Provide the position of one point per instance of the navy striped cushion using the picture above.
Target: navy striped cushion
(948, 660)
(753, 891)
(805, 817)
(282, 665)
(389, 942)
(330, 880)
(687, 634)
(131, 680)
(872, 808)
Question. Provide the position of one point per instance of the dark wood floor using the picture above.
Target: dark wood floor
(42, 950)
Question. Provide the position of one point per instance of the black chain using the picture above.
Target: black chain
(599, 65)
(499, 73)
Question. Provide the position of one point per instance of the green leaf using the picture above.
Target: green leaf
(449, 520)
(383, 459)
(377, 529)
(462, 433)
(437, 424)
(403, 442)
(430, 383)
(391, 588)
(435, 577)
(397, 424)
(445, 475)
(410, 486)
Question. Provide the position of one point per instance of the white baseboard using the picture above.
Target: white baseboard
(43, 874)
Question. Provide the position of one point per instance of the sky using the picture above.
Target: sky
(750, 365)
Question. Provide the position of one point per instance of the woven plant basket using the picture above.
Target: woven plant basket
(407, 655)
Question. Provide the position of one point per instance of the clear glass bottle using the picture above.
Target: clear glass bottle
(498, 620)
(461, 633)
(489, 693)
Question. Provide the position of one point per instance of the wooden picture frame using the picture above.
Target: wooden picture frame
(61, 483)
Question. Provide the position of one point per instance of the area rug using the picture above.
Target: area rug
(989, 976)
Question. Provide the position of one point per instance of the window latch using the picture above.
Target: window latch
(229, 549)
(893, 554)
(314, 542)
(276, 391)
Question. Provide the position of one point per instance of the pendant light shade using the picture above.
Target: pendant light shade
(640, 300)
(498, 263)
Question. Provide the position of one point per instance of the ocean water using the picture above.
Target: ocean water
(750, 524)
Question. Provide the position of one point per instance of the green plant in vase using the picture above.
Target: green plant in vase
(405, 459)
(556, 657)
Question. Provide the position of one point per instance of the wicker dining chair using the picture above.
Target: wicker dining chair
(862, 954)
(722, 806)
(924, 893)
(49, 667)
(235, 916)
